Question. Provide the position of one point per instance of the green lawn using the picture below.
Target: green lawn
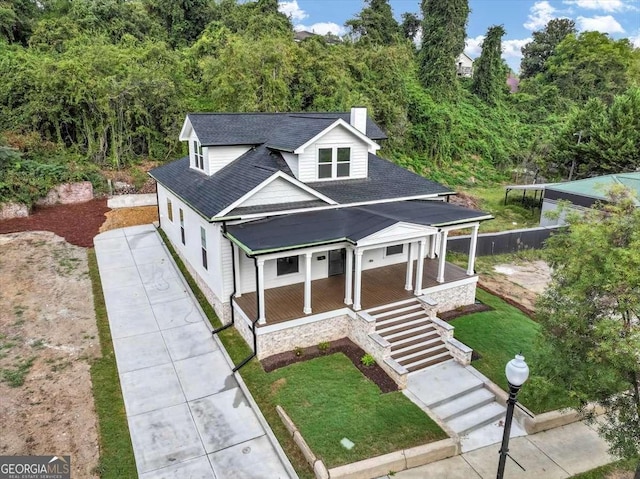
(513, 215)
(116, 453)
(328, 399)
(498, 336)
(618, 469)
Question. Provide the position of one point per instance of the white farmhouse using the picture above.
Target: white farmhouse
(298, 233)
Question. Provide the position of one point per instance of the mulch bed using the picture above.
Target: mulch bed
(464, 310)
(77, 223)
(375, 373)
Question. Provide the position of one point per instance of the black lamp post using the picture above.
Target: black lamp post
(517, 373)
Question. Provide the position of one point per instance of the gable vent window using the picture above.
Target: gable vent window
(396, 249)
(287, 265)
(198, 155)
(334, 162)
(203, 244)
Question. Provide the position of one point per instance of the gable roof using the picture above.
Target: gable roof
(345, 224)
(284, 131)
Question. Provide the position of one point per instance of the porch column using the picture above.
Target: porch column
(420, 268)
(441, 256)
(432, 246)
(472, 250)
(236, 261)
(408, 285)
(348, 277)
(358, 283)
(307, 283)
(260, 289)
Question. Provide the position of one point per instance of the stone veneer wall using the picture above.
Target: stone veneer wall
(454, 297)
(304, 335)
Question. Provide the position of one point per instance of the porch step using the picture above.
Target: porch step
(390, 306)
(395, 320)
(468, 402)
(422, 353)
(430, 361)
(428, 341)
(477, 417)
(393, 312)
(412, 340)
(407, 329)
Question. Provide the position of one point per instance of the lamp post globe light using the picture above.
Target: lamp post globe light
(517, 373)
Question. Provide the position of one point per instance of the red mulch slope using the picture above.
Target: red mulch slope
(77, 224)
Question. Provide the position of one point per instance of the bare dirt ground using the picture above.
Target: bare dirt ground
(48, 337)
(520, 283)
(123, 217)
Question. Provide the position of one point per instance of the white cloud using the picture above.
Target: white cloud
(322, 28)
(513, 48)
(604, 5)
(605, 24)
(292, 10)
(635, 39)
(473, 46)
(539, 15)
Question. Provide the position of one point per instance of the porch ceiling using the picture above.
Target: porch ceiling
(344, 224)
(379, 286)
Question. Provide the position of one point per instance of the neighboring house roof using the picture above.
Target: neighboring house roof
(465, 55)
(303, 35)
(279, 130)
(585, 192)
(345, 224)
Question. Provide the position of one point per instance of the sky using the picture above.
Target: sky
(618, 18)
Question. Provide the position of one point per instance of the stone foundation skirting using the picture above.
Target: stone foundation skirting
(450, 296)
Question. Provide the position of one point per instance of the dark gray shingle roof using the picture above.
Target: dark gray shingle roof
(217, 129)
(386, 181)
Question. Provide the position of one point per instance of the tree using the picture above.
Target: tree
(590, 65)
(183, 20)
(536, 53)
(490, 74)
(590, 312)
(17, 18)
(375, 23)
(443, 35)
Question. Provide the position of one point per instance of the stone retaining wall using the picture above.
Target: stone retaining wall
(13, 210)
(68, 193)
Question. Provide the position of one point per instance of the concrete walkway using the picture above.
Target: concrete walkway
(189, 415)
(554, 454)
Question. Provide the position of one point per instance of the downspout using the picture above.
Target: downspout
(253, 324)
(233, 277)
(158, 206)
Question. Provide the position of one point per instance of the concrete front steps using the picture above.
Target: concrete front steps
(459, 399)
(415, 343)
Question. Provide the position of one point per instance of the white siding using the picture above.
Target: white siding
(292, 161)
(221, 156)
(339, 136)
(191, 250)
(278, 191)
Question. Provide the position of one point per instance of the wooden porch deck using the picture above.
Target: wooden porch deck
(379, 286)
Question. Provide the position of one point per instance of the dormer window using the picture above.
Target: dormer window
(198, 156)
(334, 162)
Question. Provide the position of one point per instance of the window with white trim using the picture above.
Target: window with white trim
(288, 265)
(203, 244)
(182, 237)
(395, 249)
(198, 155)
(334, 162)
(169, 210)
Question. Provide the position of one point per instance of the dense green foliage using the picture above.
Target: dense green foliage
(106, 83)
(536, 53)
(589, 315)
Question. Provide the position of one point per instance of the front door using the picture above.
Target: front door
(336, 261)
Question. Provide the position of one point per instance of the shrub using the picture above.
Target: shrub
(323, 346)
(298, 351)
(367, 360)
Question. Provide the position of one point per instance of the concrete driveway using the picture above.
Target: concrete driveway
(189, 415)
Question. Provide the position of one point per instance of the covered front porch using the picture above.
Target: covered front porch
(379, 286)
